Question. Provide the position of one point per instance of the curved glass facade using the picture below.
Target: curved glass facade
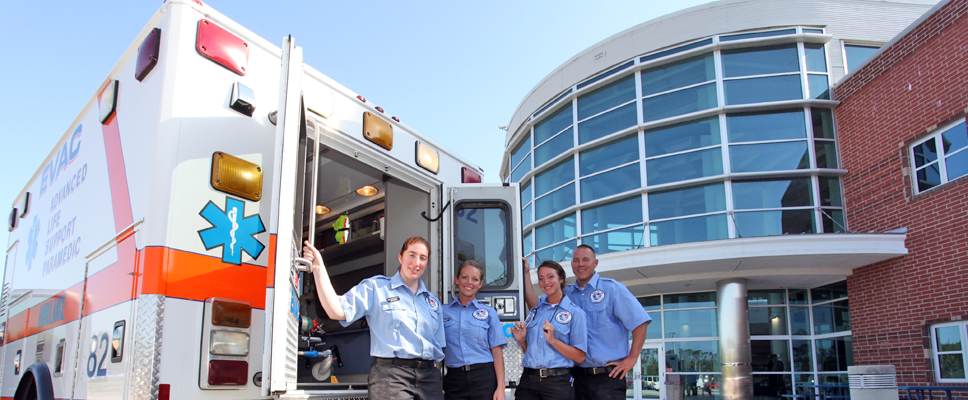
(714, 139)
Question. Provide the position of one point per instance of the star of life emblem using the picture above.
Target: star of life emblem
(563, 317)
(480, 314)
(434, 304)
(597, 296)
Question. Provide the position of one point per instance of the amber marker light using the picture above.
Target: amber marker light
(367, 191)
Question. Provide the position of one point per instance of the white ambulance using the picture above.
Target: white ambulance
(155, 253)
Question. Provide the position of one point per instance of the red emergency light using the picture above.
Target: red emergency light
(148, 54)
(468, 175)
(223, 47)
(228, 372)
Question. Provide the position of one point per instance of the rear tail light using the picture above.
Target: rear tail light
(228, 372)
(223, 47)
(231, 313)
(229, 343)
(164, 391)
(468, 175)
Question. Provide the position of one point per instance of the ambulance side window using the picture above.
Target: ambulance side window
(483, 234)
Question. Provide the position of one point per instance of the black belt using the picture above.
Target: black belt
(546, 372)
(598, 370)
(407, 362)
(471, 367)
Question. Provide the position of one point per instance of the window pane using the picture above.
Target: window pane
(760, 90)
(802, 355)
(677, 75)
(612, 215)
(555, 231)
(675, 50)
(686, 166)
(830, 192)
(957, 165)
(768, 321)
(698, 229)
(823, 123)
(770, 386)
(952, 366)
(610, 72)
(756, 35)
(797, 296)
(682, 137)
(928, 177)
(554, 147)
(766, 126)
(691, 323)
(764, 297)
(677, 103)
(520, 151)
(769, 157)
(555, 176)
(772, 193)
(694, 200)
(834, 354)
(857, 54)
(559, 253)
(760, 61)
(481, 235)
(948, 338)
(607, 124)
(690, 300)
(831, 317)
(955, 138)
(656, 326)
(609, 155)
(817, 31)
(816, 60)
(925, 153)
(826, 154)
(527, 217)
(607, 97)
(617, 240)
(774, 223)
(819, 87)
(829, 292)
(612, 182)
(526, 192)
(555, 123)
(528, 244)
(524, 168)
(770, 355)
(833, 220)
(554, 202)
(693, 356)
(799, 321)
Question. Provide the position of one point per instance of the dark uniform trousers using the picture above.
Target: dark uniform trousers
(478, 384)
(401, 382)
(598, 387)
(550, 388)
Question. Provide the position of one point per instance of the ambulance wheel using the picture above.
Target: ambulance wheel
(27, 390)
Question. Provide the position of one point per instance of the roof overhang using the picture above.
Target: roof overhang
(789, 261)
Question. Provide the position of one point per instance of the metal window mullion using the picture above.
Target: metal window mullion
(730, 209)
(698, 149)
(804, 77)
(604, 112)
(607, 170)
(678, 89)
(720, 86)
(942, 162)
(771, 75)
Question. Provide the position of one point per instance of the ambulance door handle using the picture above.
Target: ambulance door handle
(302, 264)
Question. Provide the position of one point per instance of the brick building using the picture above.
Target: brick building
(901, 134)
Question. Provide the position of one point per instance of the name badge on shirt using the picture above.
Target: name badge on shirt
(392, 299)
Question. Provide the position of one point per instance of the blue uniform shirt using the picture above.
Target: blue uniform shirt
(402, 325)
(472, 332)
(569, 322)
(614, 312)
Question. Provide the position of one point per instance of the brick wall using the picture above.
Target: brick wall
(918, 84)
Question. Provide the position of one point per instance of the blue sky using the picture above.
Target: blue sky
(455, 70)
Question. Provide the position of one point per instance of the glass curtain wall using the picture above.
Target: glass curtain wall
(651, 153)
(797, 336)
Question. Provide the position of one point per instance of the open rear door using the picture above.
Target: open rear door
(484, 225)
(282, 305)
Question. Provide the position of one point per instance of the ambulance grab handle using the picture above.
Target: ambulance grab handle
(302, 264)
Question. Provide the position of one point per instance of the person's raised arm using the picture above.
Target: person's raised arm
(324, 288)
(530, 297)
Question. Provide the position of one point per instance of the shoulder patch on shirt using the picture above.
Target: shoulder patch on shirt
(432, 301)
(563, 317)
(480, 314)
(597, 296)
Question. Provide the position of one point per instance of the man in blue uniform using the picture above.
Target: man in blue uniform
(612, 312)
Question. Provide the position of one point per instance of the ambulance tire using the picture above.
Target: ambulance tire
(36, 384)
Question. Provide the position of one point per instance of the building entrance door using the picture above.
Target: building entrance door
(649, 373)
